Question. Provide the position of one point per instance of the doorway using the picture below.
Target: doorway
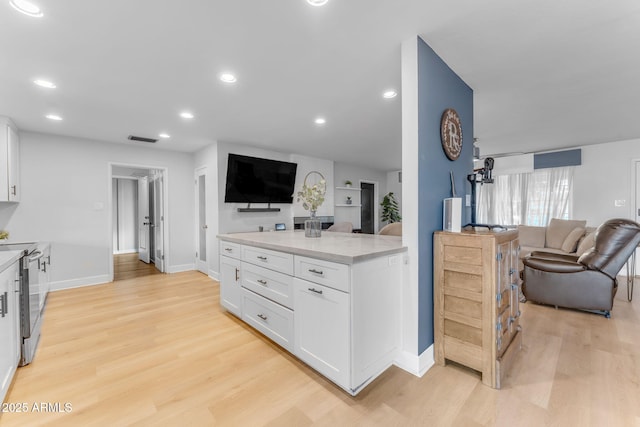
(137, 207)
(368, 207)
(202, 230)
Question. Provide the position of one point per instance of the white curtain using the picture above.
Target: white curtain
(526, 198)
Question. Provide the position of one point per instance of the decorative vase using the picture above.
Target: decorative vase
(312, 226)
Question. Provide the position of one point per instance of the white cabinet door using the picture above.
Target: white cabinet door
(322, 330)
(230, 295)
(9, 328)
(13, 166)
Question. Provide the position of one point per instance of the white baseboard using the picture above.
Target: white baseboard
(125, 251)
(180, 268)
(214, 275)
(78, 283)
(416, 365)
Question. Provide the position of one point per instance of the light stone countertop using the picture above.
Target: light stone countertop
(344, 248)
(9, 257)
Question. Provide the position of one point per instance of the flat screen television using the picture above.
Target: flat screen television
(256, 180)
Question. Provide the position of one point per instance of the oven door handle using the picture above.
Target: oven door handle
(36, 255)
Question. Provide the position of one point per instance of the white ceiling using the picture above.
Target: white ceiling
(546, 74)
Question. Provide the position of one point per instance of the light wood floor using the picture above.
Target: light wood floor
(158, 350)
(129, 266)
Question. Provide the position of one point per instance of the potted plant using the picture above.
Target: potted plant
(348, 183)
(390, 210)
(312, 196)
(348, 200)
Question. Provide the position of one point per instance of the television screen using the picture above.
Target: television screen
(255, 180)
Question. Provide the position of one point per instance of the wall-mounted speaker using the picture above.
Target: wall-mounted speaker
(452, 214)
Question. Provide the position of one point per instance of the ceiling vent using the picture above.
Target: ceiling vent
(142, 139)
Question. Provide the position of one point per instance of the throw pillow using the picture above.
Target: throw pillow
(587, 243)
(532, 236)
(559, 229)
(571, 241)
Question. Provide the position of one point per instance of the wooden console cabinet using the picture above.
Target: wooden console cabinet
(476, 301)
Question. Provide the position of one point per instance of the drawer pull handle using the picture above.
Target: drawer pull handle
(4, 306)
(262, 316)
(316, 290)
(262, 282)
(228, 249)
(237, 274)
(314, 271)
(262, 258)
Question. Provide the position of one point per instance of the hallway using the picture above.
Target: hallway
(128, 266)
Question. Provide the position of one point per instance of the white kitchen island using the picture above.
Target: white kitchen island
(333, 301)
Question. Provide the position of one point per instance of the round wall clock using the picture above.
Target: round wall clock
(451, 133)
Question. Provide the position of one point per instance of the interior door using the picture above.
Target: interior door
(143, 219)
(201, 212)
(367, 208)
(158, 225)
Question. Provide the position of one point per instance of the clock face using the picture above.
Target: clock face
(451, 133)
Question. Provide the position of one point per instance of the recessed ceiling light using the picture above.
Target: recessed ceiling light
(45, 83)
(28, 8)
(317, 2)
(228, 78)
(320, 121)
(164, 135)
(55, 117)
(390, 94)
(186, 115)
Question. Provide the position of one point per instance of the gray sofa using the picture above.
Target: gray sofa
(563, 237)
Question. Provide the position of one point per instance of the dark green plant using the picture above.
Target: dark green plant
(390, 210)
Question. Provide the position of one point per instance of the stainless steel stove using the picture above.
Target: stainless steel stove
(34, 261)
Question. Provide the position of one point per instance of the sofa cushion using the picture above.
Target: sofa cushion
(559, 229)
(530, 235)
(526, 250)
(571, 241)
(587, 243)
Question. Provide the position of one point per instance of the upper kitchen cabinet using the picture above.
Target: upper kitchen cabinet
(9, 161)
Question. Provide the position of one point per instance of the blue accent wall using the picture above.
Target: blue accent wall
(439, 88)
(557, 159)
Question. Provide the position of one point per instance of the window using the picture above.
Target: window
(527, 198)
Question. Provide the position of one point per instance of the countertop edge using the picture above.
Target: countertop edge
(8, 258)
(343, 259)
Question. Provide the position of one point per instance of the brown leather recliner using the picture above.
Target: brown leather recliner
(585, 283)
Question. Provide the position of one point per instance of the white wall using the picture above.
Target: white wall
(224, 217)
(355, 174)
(231, 221)
(313, 164)
(65, 197)
(410, 359)
(395, 186)
(606, 175)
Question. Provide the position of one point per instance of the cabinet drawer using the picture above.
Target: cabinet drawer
(230, 249)
(268, 283)
(326, 273)
(273, 260)
(273, 320)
